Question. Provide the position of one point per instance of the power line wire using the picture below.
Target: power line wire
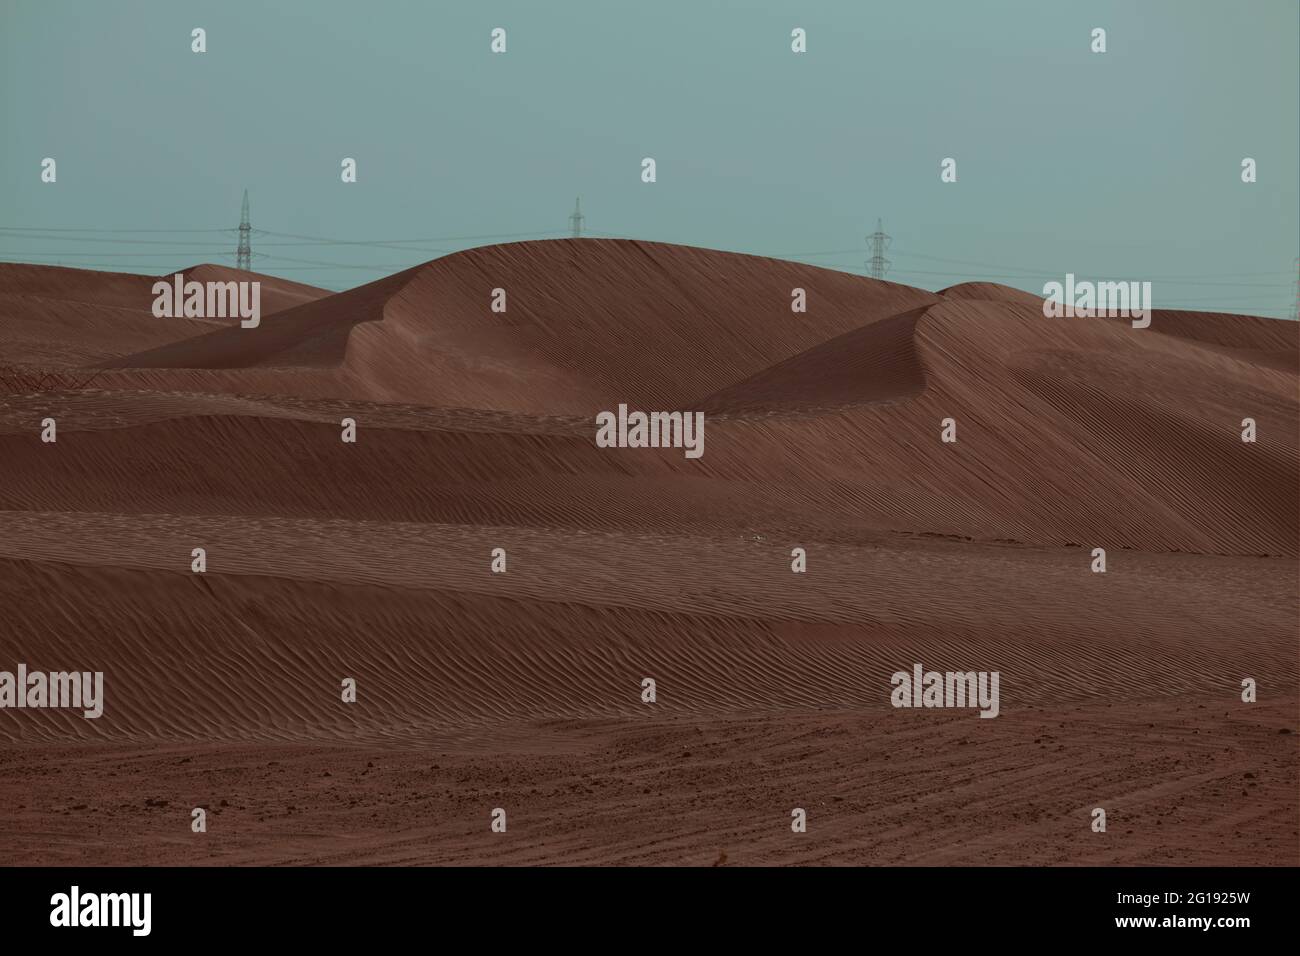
(194, 248)
(97, 229)
(127, 242)
(106, 255)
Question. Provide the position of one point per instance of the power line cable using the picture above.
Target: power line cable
(125, 242)
(97, 229)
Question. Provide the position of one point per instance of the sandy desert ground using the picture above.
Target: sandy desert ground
(522, 690)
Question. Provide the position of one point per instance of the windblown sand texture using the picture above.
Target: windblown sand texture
(523, 690)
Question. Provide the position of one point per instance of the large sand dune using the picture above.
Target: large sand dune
(522, 690)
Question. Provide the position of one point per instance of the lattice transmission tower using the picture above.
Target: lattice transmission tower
(1297, 289)
(577, 218)
(244, 252)
(878, 242)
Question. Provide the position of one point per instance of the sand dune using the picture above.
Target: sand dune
(874, 363)
(59, 317)
(475, 431)
(587, 324)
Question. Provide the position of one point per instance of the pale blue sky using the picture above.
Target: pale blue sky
(1117, 165)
